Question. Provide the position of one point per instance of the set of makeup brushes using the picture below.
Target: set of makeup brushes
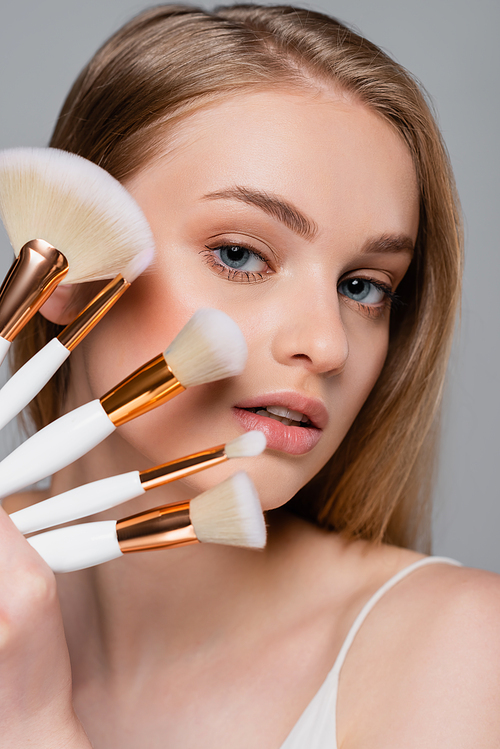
(70, 222)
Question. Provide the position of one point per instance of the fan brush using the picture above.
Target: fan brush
(69, 222)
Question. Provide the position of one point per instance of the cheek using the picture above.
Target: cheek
(140, 326)
(367, 358)
(195, 420)
(367, 354)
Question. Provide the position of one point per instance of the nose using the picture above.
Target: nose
(310, 331)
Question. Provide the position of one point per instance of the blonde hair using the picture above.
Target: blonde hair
(171, 60)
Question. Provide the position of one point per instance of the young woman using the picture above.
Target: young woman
(294, 178)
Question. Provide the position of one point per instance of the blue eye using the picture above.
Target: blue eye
(364, 291)
(237, 257)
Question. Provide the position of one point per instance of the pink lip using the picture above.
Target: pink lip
(310, 407)
(289, 439)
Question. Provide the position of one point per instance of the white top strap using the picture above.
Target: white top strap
(376, 598)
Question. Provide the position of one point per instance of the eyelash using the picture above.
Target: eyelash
(232, 274)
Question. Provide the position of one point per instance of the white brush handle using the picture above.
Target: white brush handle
(54, 447)
(79, 503)
(4, 347)
(79, 546)
(30, 379)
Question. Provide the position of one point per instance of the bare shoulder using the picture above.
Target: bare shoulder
(461, 608)
(430, 653)
(465, 595)
(456, 609)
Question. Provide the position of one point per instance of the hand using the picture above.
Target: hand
(35, 674)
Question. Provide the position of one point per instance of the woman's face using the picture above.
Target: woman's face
(296, 214)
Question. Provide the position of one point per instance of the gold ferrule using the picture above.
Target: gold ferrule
(160, 528)
(88, 318)
(177, 469)
(32, 278)
(148, 387)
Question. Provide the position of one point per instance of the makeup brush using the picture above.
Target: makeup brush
(27, 382)
(69, 221)
(102, 495)
(230, 514)
(209, 347)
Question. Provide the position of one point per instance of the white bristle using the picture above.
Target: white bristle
(75, 206)
(247, 446)
(138, 264)
(209, 347)
(229, 514)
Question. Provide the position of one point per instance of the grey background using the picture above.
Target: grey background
(452, 47)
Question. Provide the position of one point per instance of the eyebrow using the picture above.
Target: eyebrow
(305, 227)
(390, 244)
(273, 205)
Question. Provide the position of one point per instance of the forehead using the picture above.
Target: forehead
(336, 159)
